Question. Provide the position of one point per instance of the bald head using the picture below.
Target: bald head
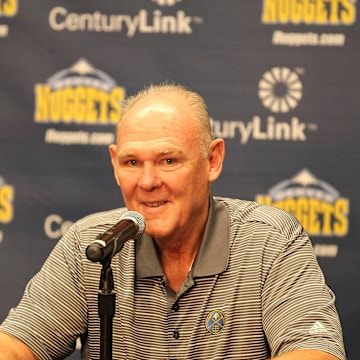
(194, 107)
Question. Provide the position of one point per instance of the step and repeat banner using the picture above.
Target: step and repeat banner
(281, 79)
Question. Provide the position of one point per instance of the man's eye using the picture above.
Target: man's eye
(169, 161)
(132, 162)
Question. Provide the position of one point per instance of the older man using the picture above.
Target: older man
(211, 278)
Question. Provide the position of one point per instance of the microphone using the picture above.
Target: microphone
(109, 243)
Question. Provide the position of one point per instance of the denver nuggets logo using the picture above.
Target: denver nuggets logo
(215, 322)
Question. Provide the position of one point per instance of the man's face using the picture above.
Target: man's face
(159, 167)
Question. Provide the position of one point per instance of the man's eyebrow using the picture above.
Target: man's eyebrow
(133, 153)
(125, 153)
(170, 151)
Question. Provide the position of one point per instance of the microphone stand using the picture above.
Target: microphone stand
(130, 226)
(106, 309)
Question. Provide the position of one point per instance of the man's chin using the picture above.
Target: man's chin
(156, 229)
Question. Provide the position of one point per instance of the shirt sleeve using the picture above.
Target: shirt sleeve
(298, 307)
(52, 312)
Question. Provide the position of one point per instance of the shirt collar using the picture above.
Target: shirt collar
(213, 254)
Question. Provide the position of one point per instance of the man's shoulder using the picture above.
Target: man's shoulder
(247, 211)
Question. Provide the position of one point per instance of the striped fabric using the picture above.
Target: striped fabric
(271, 298)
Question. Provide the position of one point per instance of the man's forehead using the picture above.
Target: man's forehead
(156, 118)
(159, 107)
(160, 104)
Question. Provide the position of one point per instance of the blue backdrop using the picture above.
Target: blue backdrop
(281, 79)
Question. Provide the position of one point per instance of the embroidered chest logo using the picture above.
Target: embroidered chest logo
(215, 322)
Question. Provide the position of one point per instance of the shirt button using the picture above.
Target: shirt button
(176, 335)
(176, 307)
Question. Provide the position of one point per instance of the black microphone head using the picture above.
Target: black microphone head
(111, 241)
(138, 219)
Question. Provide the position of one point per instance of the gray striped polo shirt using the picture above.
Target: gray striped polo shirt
(255, 290)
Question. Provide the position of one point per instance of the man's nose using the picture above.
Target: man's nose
(149, 178)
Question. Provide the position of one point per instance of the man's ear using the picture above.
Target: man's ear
(114, 161)
(216, 158)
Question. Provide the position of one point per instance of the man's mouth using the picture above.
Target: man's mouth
(154, 204)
